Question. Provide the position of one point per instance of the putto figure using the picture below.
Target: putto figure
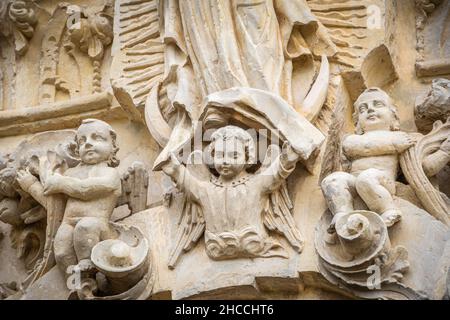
(234, 207)
(374, 154)
(92, 189)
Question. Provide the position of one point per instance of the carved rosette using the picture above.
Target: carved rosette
(18, 21)
(359, 254)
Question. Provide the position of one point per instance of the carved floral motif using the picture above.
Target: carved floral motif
(91, 31)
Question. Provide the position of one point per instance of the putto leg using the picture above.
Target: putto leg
(376, 190)
(339, 190)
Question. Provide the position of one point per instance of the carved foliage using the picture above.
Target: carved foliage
(82, 31)
(91, 31)
(17, 21)
(411, 164)
(24, 215)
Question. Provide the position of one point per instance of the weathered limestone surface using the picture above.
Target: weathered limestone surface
(181, 149)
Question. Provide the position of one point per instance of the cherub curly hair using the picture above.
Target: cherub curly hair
(395, 126)
(113, 161)
(233, 132)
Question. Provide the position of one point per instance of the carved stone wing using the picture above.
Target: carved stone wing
(40, 156)
(138, 64)
(134, 188)
(333, 159)
(411, 164)
(278, 217)
(277, 212)
(55, 212)
(191, 224)
(190, 228)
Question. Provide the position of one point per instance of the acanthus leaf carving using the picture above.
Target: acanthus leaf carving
(429, 155)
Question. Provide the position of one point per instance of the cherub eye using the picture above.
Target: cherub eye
(379, 104)
(97, 137)
(363, 107)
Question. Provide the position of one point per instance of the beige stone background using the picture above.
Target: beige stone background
(197, 276)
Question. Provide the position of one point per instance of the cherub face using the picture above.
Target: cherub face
(95, 143)
(229, 157)
(374, 113)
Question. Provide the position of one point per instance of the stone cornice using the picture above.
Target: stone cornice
(58, 115)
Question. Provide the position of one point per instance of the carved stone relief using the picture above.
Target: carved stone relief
(17, 26)
(267, 149)
(76, 188)
(17, 20)
(250, 202)
(433, 30)
(84, 33)
(356, 239)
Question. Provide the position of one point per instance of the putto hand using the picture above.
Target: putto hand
(52, 184)
(25, 179)
(170, 167)
(403, 141)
